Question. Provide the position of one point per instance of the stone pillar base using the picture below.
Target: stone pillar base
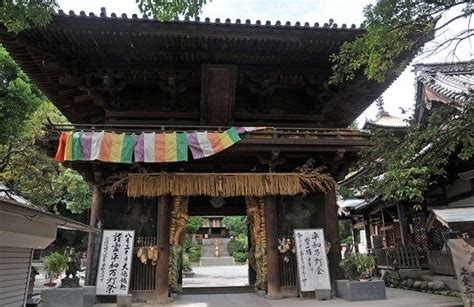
(68, 297)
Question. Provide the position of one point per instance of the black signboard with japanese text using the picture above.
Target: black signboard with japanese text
(113, 273)
(313, 270)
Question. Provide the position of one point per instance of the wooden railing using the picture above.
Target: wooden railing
(268, 133)
(403, 257)
(441, 262)
(143, 275)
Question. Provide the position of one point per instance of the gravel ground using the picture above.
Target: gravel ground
(218, 276)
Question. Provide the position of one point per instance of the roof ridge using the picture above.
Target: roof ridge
(135, 17)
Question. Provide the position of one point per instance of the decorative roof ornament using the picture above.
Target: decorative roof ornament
(383, 119)
(380, 106)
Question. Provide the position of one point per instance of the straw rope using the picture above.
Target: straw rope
(258, 255)
(179, 219)
(227, 185)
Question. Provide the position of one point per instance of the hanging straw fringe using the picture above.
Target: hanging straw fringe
(227, 185)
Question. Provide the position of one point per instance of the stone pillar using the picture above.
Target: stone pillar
(163, 241)
(273, 256)
(332, 236)
(95, 213)
(403, 223)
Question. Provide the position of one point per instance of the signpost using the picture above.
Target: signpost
(113, 276)
(312, 263)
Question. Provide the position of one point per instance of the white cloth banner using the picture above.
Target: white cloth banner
(113, 274)
(312, 263)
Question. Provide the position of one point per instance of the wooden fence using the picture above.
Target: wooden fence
(403, 257)
(143, 275)
(441, 262)
(288, 270)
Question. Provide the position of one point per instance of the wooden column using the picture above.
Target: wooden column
(332, 236)
(163, 240)
(403, 223)
(367, 231)
(95, 213)
(354, 241)
(273, 256)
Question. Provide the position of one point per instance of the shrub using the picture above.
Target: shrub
(186, 263)
(240, 257)
(54, 264)
(194, 253)
(244, 240)
(235, 246)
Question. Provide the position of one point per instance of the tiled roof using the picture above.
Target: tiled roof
(388, 121)
(278, 24)
(454, 81)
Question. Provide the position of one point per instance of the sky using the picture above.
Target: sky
(401, 93)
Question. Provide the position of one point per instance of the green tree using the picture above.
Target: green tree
(18, 98)
(395, 31)
(403, 166)
(236, 224)
(193, 224)
(19, 15)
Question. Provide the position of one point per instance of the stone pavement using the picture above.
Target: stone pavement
(395, 297)
(218, 276)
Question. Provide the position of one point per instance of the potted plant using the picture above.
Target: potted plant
(358, 266)
(53, 265)
(365, 265)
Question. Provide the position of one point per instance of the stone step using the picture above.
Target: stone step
(210, 251)
(214, 261)
(211, 241)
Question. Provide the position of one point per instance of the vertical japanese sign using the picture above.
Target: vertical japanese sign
(311, 259)
(113, 276)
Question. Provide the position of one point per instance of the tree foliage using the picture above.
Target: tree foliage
(19, 15)
(402, 166)
(395, 31)
(170, 9)
(236, 224)
(24, 169)
(18, 98)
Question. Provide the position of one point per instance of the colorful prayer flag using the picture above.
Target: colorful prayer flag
(117, 147)
(61, 147)
(204, 144)
(241, 130)
(161, 147)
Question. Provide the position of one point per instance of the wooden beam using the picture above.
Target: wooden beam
(284, 117)
(151, 114)
(218, 83)
(403, 224)
(273, 256)
(163, 237)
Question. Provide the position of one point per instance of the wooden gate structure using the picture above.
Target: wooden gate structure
(118, 79)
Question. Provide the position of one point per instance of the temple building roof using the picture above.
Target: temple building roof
(110, 69)
(384, 120)
(454, 81)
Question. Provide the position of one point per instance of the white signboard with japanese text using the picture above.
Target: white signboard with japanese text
(313, 270)
(113, 273)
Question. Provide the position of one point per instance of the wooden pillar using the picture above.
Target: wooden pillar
(163, 240)
(273, 256)
(332, 236)
(367, 231)
(403, 223)
(354, 241)
(95, 213)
